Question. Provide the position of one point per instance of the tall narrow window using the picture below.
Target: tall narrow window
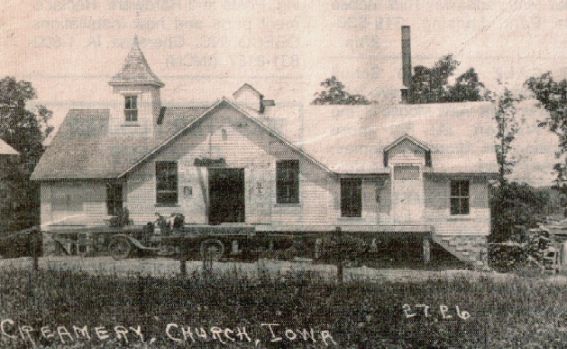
(166, 182)
(351, 197)
(131, 108)
(113, 198)
(287, 181)
(460, 197)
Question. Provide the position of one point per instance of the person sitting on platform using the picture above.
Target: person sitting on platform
(160, 225)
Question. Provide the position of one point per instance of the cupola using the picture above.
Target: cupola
(136, 94)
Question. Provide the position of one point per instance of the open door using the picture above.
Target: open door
(226, 195)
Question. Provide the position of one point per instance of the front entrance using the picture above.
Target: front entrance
(407, 193)
(226, 195)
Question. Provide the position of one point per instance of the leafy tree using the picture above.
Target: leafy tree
(335, 93)
(25, 130)
(431, 85)
(467, 87)
(508, 127)
(515, 204)
(552, 96)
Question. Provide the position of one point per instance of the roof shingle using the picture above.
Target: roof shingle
(345, 139)
(83, 148)
(136, 70)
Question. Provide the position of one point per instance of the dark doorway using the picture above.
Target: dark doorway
(226, 195)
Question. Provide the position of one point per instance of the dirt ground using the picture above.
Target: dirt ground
(170, 267)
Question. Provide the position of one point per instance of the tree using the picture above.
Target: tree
(335, 93)
(431, 85)
(467, 88)
(552, 96)
(515, 204)
(507, 126)
(25, 130)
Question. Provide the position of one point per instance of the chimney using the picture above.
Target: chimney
(406, 63)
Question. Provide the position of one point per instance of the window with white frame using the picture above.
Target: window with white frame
(131, 108)
(460, 197)
(351, 197)
(166, 182)
(287, 181)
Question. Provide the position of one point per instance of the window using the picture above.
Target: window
(406, 173)
(351, 197)
(113, 198)
(287, 181)
(166, 182)
(131, 108)
(460, 197)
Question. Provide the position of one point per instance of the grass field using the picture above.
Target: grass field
(60, 309)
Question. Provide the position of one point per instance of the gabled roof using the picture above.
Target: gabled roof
(244, 87)
(223, 101)
(352, 138)
(83, 148)
(5, 149)
(408, 138)
(339, 139)
(136, 70)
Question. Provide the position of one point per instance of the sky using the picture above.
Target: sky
(206, 49)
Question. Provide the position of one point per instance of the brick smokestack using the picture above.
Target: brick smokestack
(406, 63)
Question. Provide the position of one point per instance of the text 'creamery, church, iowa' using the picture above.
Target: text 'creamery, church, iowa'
(378, 170)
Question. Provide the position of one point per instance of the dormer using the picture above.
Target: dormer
(136, 94)
(407, 150)
(249, 97)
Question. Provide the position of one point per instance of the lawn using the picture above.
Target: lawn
(60, 309)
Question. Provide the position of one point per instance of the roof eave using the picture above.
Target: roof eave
(136, 83)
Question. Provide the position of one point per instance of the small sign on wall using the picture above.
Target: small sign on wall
(187, 191)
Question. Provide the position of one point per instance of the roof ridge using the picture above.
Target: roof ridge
(90, 109)
(187, 107)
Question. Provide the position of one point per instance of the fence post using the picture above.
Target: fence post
(426, 245)
(207, 261)
(339, 234)
(183, 259)
(34, 241)
(141, 294)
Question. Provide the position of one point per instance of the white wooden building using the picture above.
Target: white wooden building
(372, 169)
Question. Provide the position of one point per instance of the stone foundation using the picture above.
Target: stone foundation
(467, 248)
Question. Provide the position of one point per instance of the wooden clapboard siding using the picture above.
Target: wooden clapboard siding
(241, 143)
(227, 134)
(148, 104)
(407, 152)
(437, 207)
(73, 202)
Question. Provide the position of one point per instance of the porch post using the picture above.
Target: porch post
(426, 250)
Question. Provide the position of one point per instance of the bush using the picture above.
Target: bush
(515, 256)
(351, 248)
(514, 204)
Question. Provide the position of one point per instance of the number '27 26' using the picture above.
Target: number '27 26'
(443, 311)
